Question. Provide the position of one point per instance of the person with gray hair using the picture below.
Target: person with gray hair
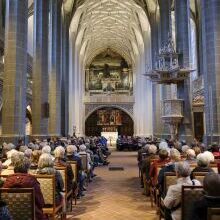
(28, 153)
(46, 166)
(21, 179)
(172, 200)
(14, 156)
(59, 161)
(169, 167)
(210, 199)
(191, 156)
(203, 161)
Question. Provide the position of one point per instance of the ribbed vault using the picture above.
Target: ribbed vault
(102, 24)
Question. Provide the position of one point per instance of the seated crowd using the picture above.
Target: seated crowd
(20, 165)
(182, 163)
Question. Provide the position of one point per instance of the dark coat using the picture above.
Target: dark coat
(70, 176)
(201, 169)
(199, 209)
(24, 180)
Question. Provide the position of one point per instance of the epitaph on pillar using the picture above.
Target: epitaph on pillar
(55, 68)
(182, 15)
(15, 71)
(40, 69)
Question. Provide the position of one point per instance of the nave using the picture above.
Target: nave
(115, 195)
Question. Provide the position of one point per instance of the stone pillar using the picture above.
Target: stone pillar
(15, 71)
(55, 68)
(182, 15)
(164, 90)
(154, 21)
(40, 69)
(210, 16)
(65, 77)
(1, 17)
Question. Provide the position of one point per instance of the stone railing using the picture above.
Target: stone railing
(109, 99)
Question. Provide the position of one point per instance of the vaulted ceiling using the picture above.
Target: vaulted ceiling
(103, 24)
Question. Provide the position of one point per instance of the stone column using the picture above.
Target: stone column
(15, 71)
(55, 68)
(1, 18)
(164, 90)
(210, 16)
(182, 15)
(154, 21)
(65, 77)
(40, 69)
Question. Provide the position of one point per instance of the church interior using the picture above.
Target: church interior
(109, 109)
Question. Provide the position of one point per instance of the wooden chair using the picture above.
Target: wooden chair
(68, 194)
(199, 176)
(20, 202)
(152, 189)
(213, 214)
(47, 185)
(75, 173)
(214, 167)
(84, 160)
(190, 194)
(170, 178)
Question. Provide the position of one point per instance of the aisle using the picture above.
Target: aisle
(115, 195)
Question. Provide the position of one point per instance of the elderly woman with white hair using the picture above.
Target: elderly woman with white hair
(203, 161)
(72, 155)
(59, 161)
(172, 201)
(14, 156)
(191, 156)
(46, 166)
(169, 167)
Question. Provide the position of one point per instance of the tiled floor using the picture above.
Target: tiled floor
(115, 195)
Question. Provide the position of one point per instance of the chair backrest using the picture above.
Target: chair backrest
(190, 194)
(170, 178)
(214, 167)
(199, 176)
(74, 169)
(63, 172)
(20, 202)
(84, 160)
(213, 214)
(47, 186)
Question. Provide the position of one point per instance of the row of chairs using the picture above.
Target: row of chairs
(21, 201)
(190, 194)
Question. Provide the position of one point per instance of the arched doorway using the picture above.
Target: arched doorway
(109, 119)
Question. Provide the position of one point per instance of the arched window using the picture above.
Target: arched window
(193, 51)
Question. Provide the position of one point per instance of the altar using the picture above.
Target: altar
(111, 137)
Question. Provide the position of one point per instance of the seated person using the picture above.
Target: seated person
(13, 155)
(21, 179)
(72, 155)
(163, 159)
(211, 197)
(191, 156)
(172, 200)
(35, 158)
(46, 166)
(203, 161)
(169, 167)
(59, 154)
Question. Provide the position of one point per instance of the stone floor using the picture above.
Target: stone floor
(115, 195)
